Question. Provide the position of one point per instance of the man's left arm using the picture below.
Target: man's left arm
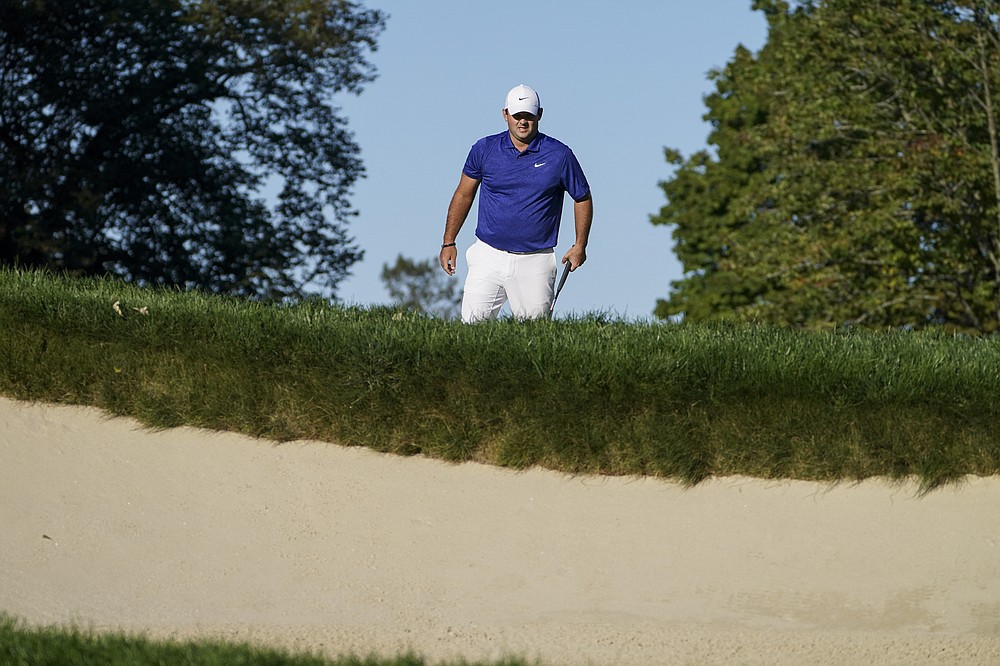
(583, 216)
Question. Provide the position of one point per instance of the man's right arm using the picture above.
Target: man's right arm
(458, 211)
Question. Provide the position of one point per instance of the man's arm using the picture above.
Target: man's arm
(583, 216)
(458, 210)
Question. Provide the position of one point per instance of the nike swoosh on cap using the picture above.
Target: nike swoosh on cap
(521, 99)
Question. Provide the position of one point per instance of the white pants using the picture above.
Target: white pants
(527, 280)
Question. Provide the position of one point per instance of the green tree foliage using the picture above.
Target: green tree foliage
(421, 286)
(855, 175)
(139, 138)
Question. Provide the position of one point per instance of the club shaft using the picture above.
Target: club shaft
(562, 281)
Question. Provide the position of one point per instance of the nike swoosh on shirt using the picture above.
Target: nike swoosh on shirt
(538, 165)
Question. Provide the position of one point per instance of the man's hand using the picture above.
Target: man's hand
(576, 256)
(449, 259)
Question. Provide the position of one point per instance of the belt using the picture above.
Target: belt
(545, 251)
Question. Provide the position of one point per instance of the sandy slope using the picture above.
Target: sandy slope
(314, 546)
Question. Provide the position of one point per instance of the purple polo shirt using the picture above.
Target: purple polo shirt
(521, 195)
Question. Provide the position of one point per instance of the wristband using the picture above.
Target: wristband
(447, 245)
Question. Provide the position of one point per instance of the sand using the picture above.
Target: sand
(313, 546)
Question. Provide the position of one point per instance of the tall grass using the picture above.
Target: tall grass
(21, 645)
(591, 394)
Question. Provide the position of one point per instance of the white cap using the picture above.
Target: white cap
(522, 99)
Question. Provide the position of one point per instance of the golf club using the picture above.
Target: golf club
(562, 281)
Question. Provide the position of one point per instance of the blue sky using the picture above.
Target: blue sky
(618, 82)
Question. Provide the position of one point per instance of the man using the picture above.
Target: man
(524, 175)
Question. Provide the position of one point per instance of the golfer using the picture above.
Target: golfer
(524, 175)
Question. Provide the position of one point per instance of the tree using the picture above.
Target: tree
(422, 287)
(856, 173)
(703, 196)
(139, 138)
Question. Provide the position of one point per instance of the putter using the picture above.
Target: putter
(562, 281)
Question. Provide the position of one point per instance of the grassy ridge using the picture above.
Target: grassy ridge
(585, 395)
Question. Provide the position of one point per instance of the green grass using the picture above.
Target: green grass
(48, 646)
(589, 395)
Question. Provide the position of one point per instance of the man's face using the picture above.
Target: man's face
(523, 126)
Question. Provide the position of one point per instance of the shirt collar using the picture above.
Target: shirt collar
(533, 147)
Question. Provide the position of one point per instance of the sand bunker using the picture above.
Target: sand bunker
(312, 546)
